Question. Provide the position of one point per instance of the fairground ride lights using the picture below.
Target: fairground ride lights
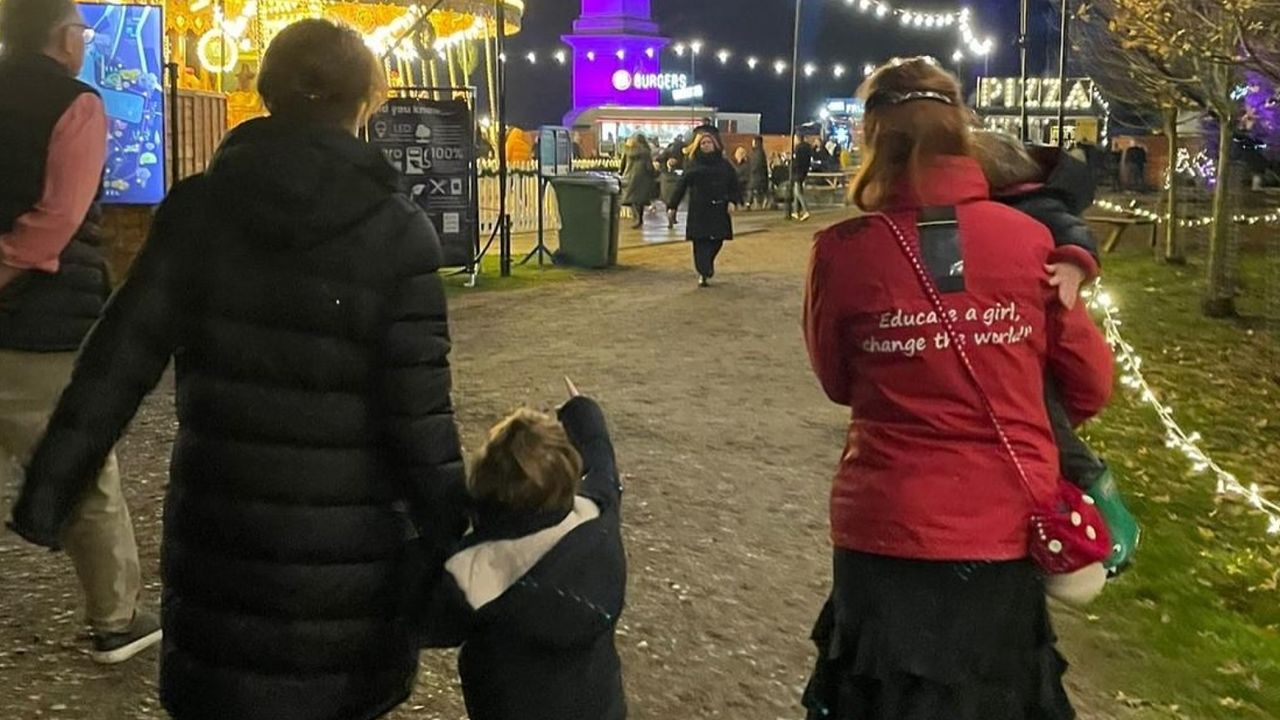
(1228, 485)
(224, 39)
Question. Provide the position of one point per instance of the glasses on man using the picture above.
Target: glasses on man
(86, 32)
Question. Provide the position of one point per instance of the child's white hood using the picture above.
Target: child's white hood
(487, 570)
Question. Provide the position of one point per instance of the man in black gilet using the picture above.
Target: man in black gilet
(53, 284)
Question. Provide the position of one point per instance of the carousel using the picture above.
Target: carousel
(217, 45)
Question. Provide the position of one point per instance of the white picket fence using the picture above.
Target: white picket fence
(522, 195)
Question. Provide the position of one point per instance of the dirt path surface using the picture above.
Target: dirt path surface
(727, 447)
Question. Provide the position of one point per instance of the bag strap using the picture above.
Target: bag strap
(957, 341)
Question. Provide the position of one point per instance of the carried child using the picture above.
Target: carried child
(534, 592)
(1056, 189)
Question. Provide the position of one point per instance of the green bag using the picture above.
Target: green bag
(1121, 524)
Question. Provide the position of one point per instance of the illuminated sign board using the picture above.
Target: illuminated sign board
(685, 93)
(124, 63)
(1042, 94)
(624, 80)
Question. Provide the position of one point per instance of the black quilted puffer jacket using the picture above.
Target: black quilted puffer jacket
(317, 472)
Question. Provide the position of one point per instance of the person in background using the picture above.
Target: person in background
(712, 185)
(53, 284)
(668, 181)
(638, 176)
(758, 194)
(822, 157)
(673, 151)
(706, 128)
(316, 474)
(518, 147)
(534, 592)
(801, 165)
(937, 610)
(742, 166)
(1055, 188)
(1135, 167)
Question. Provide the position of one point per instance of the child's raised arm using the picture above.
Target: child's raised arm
(584, 421)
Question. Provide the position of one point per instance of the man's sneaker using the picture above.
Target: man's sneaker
(805, 216)
(112, 648)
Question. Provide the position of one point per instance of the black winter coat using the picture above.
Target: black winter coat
(1060, 202)
(639, 179)
(534, 598)
(297, 293)
(758, 173)
(804, 161)
(712, 183)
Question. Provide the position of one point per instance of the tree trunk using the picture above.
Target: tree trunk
(1220, 293)
(1172, 251)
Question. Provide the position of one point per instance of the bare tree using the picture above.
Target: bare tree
(1135, 80)
(1202, 46)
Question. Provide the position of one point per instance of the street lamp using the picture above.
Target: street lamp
(1063, 29)
(795, 62)
(1023, 19)
(695, 47)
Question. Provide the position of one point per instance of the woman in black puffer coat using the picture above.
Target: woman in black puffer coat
(316, 472)
(712, 183)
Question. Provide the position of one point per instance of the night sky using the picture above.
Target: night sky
(831, 31)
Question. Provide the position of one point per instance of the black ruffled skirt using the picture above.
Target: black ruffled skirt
(918, 640)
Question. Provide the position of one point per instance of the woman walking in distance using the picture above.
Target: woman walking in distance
(936, 610)
(639, 178)
(316, 472)
(712, 184)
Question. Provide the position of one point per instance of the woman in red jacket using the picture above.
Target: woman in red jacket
(937, 613)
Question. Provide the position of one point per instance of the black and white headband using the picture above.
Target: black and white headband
(882, 98)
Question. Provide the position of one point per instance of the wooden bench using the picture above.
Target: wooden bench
(830, 185)
(1119, 224)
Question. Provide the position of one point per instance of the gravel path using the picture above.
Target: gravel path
(726, 443)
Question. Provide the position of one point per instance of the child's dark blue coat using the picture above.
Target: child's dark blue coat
(534, 599)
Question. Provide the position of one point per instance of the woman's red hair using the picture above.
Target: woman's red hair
(900, 140)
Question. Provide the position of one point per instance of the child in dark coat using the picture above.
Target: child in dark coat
(1056, 189)
(534, 592)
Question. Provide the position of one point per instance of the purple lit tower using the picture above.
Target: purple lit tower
(617, 51)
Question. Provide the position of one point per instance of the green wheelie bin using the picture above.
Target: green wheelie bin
(588, 219)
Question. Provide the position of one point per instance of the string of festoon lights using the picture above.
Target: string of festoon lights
(693, 49)
(1267, 218)
(962, 20)
(1131, 376)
